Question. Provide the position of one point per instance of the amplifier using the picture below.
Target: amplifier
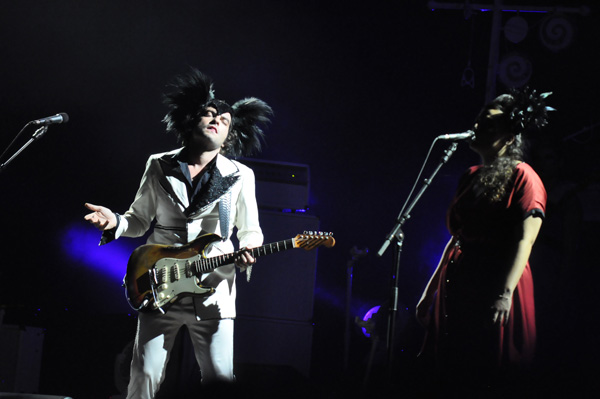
(280, 185)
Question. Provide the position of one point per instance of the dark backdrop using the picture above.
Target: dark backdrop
(359, 93)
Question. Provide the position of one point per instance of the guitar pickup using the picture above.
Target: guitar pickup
(176, 275)
(188, 269)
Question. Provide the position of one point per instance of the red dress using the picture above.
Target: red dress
(473, 271)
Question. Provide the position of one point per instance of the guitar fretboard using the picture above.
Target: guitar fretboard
(205, 265)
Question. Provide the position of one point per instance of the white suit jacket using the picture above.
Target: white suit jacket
(227, 200)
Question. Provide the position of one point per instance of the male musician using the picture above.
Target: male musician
(190, 192)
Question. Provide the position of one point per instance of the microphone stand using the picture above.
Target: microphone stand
(356, 255)
(36, 136)
(398, 236)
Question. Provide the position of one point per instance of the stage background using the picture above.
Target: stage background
(359, 93)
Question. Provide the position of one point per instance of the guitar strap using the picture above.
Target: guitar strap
(224, 212)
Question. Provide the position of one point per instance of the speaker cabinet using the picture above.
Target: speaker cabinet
(273, 342)
(20, 358)
(281, 285)
(275, 309)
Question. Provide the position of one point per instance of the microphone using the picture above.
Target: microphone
(50, 120)
(457, 136)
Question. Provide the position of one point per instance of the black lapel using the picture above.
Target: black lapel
(215, 188)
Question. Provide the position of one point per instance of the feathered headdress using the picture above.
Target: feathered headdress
(525, 109)
(193, 92)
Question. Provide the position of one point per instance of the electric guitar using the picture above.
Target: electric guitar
(157, 275)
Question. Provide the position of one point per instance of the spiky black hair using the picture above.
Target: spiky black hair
(187, 98)
(193, 92)
(246, 135)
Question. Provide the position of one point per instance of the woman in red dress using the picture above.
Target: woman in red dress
(478, 306)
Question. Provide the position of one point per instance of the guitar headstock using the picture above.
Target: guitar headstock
(313, 239)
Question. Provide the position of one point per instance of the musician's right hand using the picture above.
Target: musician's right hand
(101, 217)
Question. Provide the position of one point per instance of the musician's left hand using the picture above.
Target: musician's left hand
(244, 259)
(501, 308)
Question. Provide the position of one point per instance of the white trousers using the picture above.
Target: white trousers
(212, 341)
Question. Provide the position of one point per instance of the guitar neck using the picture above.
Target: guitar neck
(205, 265)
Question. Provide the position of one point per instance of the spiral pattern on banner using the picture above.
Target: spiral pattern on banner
(556, 33)
(515, 70)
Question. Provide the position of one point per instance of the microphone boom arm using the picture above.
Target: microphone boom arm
(404, 216)
(36, 135)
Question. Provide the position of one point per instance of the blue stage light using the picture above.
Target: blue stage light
(367, 317)
(80, 244)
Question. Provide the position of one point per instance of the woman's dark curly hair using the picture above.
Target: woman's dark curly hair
(522, 111)
(193, 92)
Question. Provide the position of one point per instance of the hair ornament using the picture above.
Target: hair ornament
(528, 109)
